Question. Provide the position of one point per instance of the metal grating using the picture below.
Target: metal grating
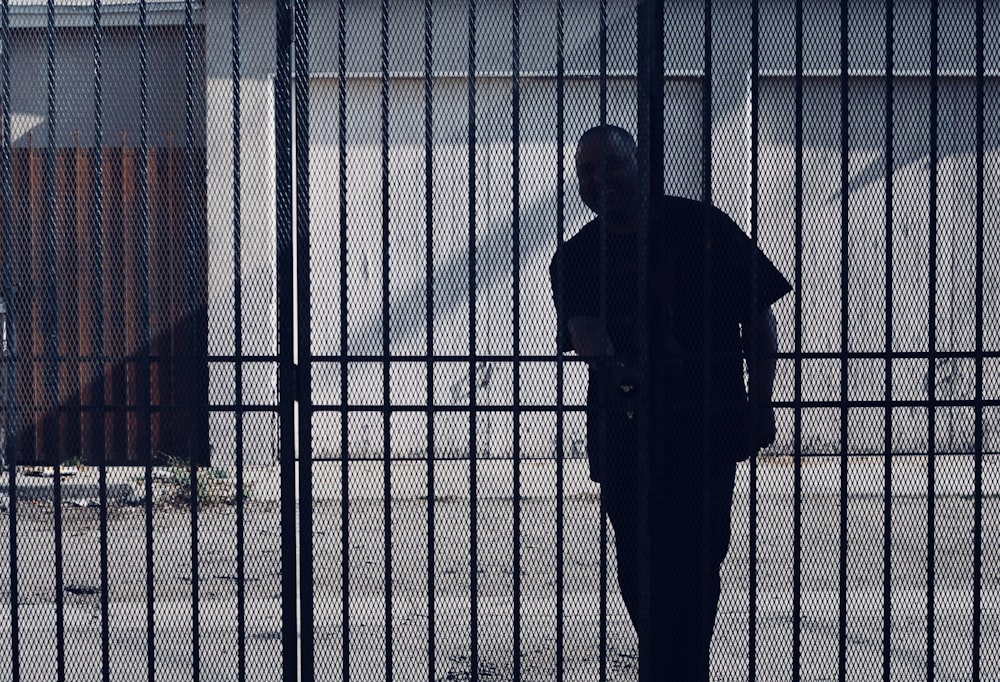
(279, 346)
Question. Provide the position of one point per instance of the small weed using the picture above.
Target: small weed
(75, 462)
(209, 486)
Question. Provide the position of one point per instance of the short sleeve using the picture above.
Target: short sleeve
(750, 281)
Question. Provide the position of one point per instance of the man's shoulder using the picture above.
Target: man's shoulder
(670, 202)
(684, 209)
(585, 239)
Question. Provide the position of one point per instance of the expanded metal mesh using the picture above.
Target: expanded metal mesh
(281, 393)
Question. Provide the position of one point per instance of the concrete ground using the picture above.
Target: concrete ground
(79, 622)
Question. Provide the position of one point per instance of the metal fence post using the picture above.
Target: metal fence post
(649, 60)
(285, 330)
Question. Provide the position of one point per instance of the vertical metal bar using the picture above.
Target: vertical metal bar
(649, 62)
(240, 414)
(845, 337)
(51, 375)
(650, 130)
(887, 442)
(706, 463)
(345, 547)
(754, 236)
(602, 416)
(706, 108)
(303, 311)
(797, 428)
(559, 286)
(977, 516)
(932, 338)
(145, 365)
(145, 368)
(473, 397)
(98, 346)
(194, 359)
(144, 398)
(9, 350)
(429, 324)
(386, 348)
(102, 496)
(284, 183)
(707, 295)
(516, 313)
(98, 39)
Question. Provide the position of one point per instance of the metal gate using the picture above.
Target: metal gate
(279, 353)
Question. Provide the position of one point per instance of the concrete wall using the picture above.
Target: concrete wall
(497, 268)
(74, 68)
(540, 167)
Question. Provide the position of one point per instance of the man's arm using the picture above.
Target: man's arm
(760, 344)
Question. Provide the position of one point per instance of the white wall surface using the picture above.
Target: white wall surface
(73, 73)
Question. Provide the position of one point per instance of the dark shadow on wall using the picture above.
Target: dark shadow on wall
(106, 290)
(911, 112)
(150, 403)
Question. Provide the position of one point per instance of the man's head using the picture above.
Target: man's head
(607, 169)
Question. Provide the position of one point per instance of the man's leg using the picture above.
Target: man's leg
(621, 514)
(686, 578)
(619, 494)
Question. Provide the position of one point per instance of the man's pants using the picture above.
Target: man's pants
(688, 533)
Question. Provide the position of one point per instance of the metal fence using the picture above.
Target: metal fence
(279, 344)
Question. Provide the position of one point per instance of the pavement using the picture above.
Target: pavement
(953, 474)
(364, 609)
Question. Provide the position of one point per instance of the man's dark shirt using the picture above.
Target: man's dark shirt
(711, 277)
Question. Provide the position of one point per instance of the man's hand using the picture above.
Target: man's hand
(761, 350)
(765, 427)
(589, 337)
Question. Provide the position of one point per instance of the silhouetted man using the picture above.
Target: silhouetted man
(708, 307)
